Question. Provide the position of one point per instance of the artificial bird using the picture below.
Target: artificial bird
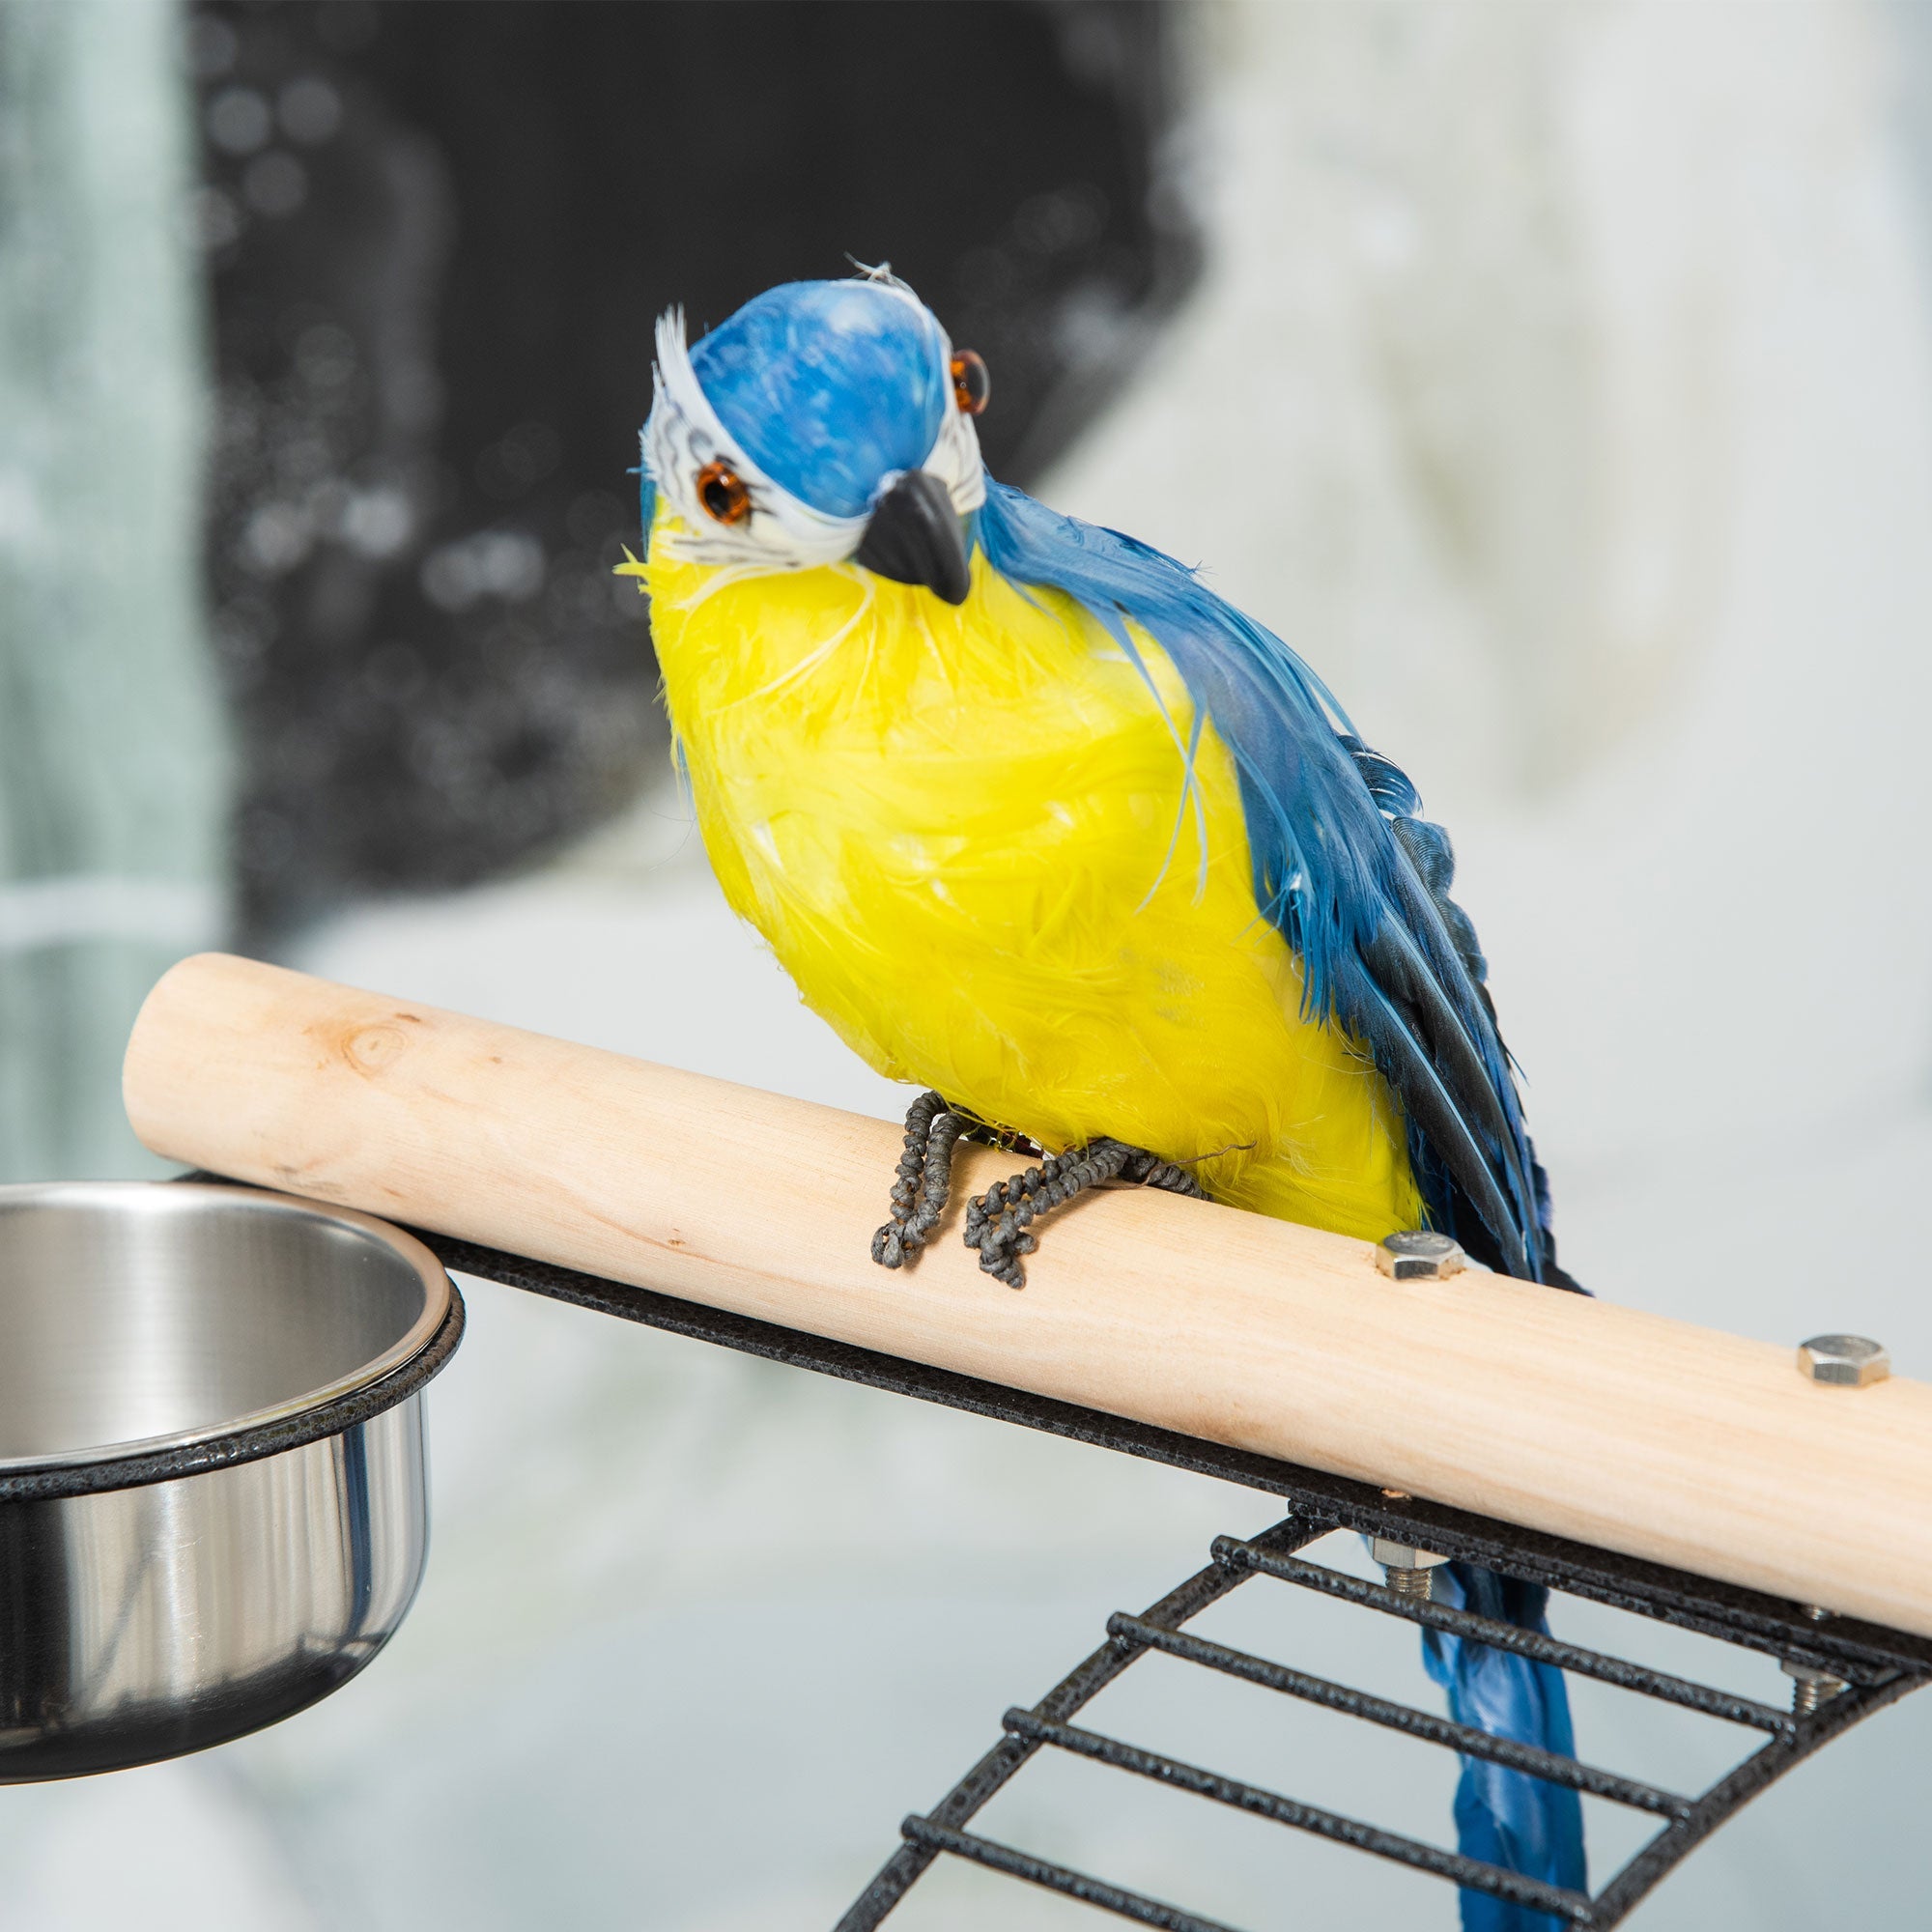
(1045, 827)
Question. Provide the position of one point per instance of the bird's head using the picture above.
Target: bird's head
(824, 422)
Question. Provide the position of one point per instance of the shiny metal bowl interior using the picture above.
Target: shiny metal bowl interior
(135, 1318)
(214, 1503)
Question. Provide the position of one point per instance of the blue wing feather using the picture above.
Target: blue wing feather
(1329, 868)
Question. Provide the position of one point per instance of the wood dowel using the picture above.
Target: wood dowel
(1622, 1428)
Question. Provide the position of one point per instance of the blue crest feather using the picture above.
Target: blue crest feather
(829, 387)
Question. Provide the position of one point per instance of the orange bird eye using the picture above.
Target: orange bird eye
(972, 387)
(724, 493)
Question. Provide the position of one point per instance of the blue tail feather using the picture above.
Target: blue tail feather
(1506, 1817)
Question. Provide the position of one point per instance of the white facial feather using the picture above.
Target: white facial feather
(779, 531)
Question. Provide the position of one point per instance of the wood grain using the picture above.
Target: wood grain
(1643, 1435)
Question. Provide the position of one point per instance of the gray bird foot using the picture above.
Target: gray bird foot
(932, 1130)
(997, 1221)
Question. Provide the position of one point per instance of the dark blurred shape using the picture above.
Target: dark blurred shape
(439, 233)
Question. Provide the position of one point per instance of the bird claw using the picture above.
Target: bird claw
(924, 1181)
(997, 1221)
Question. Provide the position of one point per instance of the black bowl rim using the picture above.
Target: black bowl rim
(248, 1444)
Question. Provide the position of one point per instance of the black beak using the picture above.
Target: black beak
(915, 537)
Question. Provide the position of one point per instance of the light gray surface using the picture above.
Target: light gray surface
(1583, 357)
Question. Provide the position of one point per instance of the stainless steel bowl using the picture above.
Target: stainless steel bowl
(212, 1498)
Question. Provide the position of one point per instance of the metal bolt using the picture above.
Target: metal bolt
(1419, 1256)
(1810, 1688)
(1410, 1572)
(1846, 1361)
(1420, 1584)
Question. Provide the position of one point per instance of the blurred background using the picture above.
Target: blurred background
(1557, 375)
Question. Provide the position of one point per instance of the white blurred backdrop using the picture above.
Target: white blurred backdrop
(1561, 386)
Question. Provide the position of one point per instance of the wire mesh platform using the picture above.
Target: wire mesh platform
(1843, 1668)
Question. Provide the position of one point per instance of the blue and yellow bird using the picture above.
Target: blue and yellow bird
(1041, 825)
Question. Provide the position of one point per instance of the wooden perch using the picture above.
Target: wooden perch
(1622, 1428)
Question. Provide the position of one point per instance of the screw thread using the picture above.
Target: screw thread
(1808, 1693)
(1419, 1584)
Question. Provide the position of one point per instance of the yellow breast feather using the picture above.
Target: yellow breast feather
(971, 837)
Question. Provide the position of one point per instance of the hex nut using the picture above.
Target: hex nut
(1845, 1361)
(1402, 1555)
(1809, 1673)
(1419, 1254)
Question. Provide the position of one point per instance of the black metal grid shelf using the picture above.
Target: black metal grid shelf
(1237, 1560)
